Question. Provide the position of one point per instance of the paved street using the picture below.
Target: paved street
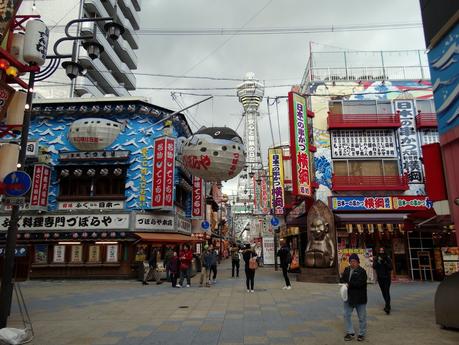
(125, 312)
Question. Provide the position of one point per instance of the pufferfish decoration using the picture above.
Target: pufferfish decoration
(214, 153)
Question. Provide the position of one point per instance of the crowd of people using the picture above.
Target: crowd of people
(178, 267)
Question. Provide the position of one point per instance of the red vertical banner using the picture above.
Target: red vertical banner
(264, 195)
(40, 186)
(299, 145)
(159, 162)
(197, 210)
(169, 172)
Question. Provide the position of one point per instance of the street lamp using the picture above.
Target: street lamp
(94, 49)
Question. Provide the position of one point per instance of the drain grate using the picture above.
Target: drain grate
(183, 307)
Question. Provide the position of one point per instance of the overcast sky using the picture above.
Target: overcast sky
(275, 59)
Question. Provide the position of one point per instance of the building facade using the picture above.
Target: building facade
(106, 188)
(112, 73)
(369, 129)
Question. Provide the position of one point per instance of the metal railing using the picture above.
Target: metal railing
(370, 182)
(363, 120)
(426, 120)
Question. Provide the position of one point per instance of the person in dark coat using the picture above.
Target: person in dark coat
(173, 268)
(355, 277)
(383, 267)
(249, 272)
(285, 259)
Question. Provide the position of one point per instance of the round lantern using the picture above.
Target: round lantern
(35, 42)
(117, 171)
(78, 172)
(93, 134)
(91, 172)
(65, 172)
(15, 112)
(9, 154)
(214, 154)
(17, 46)
(104, 171)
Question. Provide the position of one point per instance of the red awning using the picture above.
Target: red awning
(164, 237)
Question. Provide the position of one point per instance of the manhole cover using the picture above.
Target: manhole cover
(183, 307)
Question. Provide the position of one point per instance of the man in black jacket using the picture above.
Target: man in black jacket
(285, 259)
(355, 277)
(383, 268)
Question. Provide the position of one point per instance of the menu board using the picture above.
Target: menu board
(41, 254)
(94, 254)
(450, 257)
(76, 254)
(59, 254)
(366, 260)
(369, 143)
(112, 253)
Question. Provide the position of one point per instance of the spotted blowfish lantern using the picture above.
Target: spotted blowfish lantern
(93, 133)
(214, 153)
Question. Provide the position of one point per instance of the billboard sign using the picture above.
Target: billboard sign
(276, 172)
(299, 145)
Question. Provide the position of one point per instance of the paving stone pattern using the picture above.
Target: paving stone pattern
(128, 313)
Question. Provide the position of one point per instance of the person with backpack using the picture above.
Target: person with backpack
(235, 260)
(250, 260)
(285, 260)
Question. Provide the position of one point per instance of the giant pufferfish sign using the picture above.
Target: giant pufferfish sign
(214, 153)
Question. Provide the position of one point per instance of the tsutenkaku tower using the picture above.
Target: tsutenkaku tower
(250, 94)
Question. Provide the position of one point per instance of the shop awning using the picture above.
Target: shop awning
(371, 218)
(164, 237)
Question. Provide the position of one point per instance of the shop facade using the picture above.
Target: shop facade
(98, 198)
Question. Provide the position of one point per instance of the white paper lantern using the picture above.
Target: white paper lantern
(17, 46)
(214, 154)
(15, 112)
(9, 154)
(65, 172)
(91, 172)
(117, 171)
(78, 172)
(35, 42)
(93, 133)
(104, 171)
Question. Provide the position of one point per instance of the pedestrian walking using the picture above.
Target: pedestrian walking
(151, 267)
(250, 260)
(285, 260)
(173, 268)
(235, 260)
(355, 278)
(383, 267)
(206, 261)
(167, 257)
(186, 256)
(213, 264)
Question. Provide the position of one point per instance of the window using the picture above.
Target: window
(98, 183)
(366, 168)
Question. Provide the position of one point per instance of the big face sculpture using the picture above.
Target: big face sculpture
(214, 154)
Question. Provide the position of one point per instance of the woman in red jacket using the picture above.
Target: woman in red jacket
(186, 256)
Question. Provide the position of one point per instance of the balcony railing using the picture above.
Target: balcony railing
(363, 121)
(351, 183)
(426, 120)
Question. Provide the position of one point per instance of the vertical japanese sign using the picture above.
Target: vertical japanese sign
(143, 178)
(159, 172)
(40, 186)
(197, 209)
(276, 172)
(299, 145)
(163, 173)
(169, 173)
(409, 146)
(264, 195)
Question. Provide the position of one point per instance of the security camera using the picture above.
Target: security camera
(72, 69)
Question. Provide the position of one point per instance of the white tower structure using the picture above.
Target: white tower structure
(250, 93)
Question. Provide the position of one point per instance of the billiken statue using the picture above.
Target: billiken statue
(320, 251)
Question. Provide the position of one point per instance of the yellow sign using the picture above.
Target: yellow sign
(276, 173)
